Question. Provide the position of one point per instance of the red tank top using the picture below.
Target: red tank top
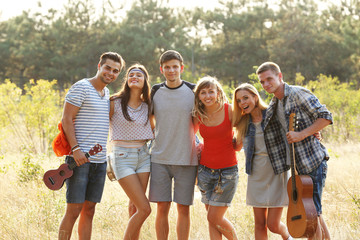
(218, 149)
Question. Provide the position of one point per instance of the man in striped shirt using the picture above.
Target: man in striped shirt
(86, 123)
(310, 155)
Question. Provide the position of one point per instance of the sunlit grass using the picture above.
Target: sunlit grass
(31, 211)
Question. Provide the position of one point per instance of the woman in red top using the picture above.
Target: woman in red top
(218, 172)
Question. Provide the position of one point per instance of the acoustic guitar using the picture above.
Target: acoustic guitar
(54, 179)
(301, 214)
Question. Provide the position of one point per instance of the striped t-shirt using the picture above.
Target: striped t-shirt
(92, 120)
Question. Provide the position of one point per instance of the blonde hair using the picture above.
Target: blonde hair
(199, 108)
(240, 120)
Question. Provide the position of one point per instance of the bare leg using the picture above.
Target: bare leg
(260, 216)
(85, 221)
(274, 222)
(162, 221)
(134, 189)
(183, 222)
(324, 228)
(72, 213)
(217, 220)
(321, 231)
(131, 209)
(213, 231)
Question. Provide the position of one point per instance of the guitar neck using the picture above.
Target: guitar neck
(292, 126)
(293, 167)
(73, 164)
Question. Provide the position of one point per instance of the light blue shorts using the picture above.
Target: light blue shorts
(128, 161)
(217, 186)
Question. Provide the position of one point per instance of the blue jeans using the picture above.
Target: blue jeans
(86, 183)
(217, 186)
(318, 177)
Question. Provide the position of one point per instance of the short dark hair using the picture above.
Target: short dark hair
(113, 56)
(170, 55)
(268, 66)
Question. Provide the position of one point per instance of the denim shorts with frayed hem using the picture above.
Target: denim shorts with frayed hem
(217, 186)
(86, 183)
(319, 176)
(128, 161)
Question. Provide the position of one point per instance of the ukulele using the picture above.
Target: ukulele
(301, 214)
(54, 179)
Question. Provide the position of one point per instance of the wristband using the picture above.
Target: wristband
(77, 148)
(72, 149)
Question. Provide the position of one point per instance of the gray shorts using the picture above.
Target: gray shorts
(161, 183)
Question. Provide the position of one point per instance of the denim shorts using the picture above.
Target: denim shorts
(86, 183)
(318, 176)
(217, 186)
(128, 161)
(162, 176)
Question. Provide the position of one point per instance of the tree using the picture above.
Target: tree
(147, 31)
(238, 39)
(21, 40)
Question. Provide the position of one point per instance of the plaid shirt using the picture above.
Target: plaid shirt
(309, 153)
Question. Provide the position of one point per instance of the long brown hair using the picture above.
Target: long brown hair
(124, 93)
(206, 82)
(240, 120)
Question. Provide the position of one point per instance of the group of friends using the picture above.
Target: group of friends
(170, 114)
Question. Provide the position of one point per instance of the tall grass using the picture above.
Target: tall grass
(31, 211)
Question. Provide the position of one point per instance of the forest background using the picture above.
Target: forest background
(43, 54)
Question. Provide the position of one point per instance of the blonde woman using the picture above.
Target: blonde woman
(266, 192)
(218, 171)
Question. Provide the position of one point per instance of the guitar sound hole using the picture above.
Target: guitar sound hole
(62, 173)
(294, 195)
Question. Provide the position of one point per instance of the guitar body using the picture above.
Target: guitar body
(302, 214)
(54, 179)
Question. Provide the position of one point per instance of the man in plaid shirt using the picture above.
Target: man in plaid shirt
(311, 117)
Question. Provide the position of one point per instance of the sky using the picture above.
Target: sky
(11, 8)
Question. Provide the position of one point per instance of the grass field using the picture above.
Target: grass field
(31, 211)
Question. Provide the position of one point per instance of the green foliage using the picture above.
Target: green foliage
(30, 169)
(343, 101)
(31, 118)
(226, 42)
(10, 97)
(41, 110)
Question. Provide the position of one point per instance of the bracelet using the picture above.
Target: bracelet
(72, 149)
(77, 148)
